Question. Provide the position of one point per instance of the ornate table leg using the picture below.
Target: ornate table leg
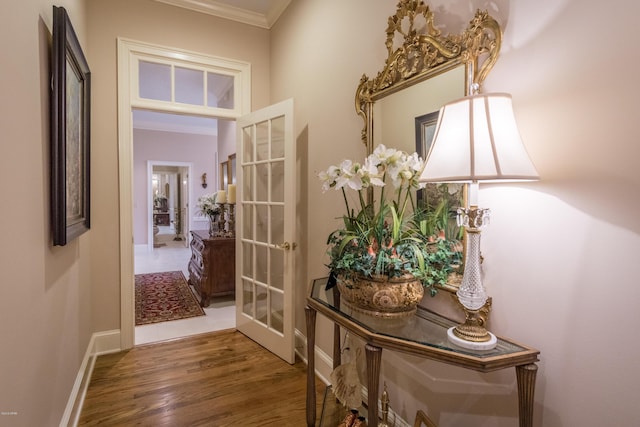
(337, 349)
(374, 358)
(526, 377)
(310, 315)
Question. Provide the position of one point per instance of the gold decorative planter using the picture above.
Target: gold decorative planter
(381, 296)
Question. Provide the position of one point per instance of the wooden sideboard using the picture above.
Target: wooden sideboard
(212, 267)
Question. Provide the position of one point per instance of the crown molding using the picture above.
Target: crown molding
(277, 8)
(223, 10)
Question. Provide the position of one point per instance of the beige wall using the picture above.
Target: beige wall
(157, 23)
(559, 254)
(45, 291)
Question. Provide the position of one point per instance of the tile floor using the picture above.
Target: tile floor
(175, 256)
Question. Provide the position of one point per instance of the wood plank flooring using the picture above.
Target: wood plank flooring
(215, 379)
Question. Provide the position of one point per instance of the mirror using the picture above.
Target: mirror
(232, 168)
(224, 175)
(423, 71)
(227, 172)
(395, 114)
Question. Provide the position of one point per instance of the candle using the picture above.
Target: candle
(221, 197)
(232, 194)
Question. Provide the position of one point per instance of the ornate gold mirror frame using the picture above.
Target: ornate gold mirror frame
(423, 54)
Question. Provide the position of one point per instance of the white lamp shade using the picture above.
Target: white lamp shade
(477, 139)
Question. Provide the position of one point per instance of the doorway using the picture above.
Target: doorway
(179, 67)
(170, 153)
(168, 210)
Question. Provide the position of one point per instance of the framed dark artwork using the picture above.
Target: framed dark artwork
(425, 131)
(70, 119)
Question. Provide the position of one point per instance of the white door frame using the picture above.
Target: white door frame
(129, 53)
(150, 165)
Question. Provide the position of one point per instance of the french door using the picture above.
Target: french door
(265, 228)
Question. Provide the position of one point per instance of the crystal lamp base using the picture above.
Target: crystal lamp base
(472, 345)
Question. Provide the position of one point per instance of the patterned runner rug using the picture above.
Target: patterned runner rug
(164, 296)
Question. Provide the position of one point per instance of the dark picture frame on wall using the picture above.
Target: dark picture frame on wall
(441, 198)
(425, 130)
(70, 120)
(425, 126)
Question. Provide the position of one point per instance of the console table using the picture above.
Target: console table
(212, 267)
(423, 335)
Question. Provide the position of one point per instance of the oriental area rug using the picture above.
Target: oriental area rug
(164, 296)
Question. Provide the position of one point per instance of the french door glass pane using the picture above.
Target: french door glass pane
(277, 308)
(262, 224)
(277, 138)
(276, 267)
(262, 182)
(262, 141)
(247, 183)
(277, 224)
(247, 144)
(262, 307)
(277, 181)
(246, 230)
(261, 264)
(247, 292)
(247, 262)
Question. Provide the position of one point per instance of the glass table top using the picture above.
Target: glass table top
(425, 328)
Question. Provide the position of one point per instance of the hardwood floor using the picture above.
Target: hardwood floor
(215, 379)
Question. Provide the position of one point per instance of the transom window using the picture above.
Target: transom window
(193, 86)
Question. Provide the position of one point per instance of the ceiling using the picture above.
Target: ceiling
(260, 13)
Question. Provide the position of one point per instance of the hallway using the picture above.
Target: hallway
(173, 257)
(218, 379)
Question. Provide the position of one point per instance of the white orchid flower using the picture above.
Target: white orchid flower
(329, 177)
(415, 162)
(348, 176)
(371, 173)
(384, 154)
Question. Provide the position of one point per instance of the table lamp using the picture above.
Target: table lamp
(476, 140)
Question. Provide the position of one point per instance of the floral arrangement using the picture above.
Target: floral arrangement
(207, 205)
(388, 234)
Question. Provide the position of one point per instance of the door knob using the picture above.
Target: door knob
(287, 246)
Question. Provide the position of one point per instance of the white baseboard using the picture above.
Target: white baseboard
(100, 343)
(106, 342)
(323, 362)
